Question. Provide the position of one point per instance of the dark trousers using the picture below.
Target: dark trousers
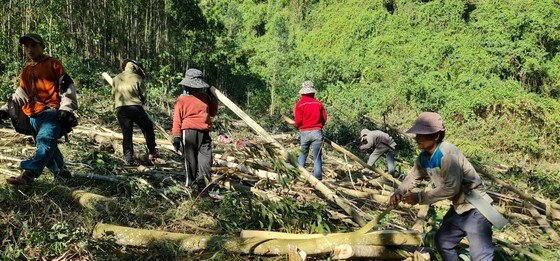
(127, 115)
(471, 224)
(197, 152)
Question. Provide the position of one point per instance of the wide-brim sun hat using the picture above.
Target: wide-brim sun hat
(137, 65)
(193, 79)
(307, 88)
(427, 123)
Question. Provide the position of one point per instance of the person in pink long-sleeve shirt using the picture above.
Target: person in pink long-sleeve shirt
(309, 118)
(191, 127)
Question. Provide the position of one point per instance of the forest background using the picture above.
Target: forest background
(491, 68)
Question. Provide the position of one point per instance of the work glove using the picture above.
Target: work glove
(20, 97)
(63, 116)
(177, 143)
(362, 147)
(395, 198)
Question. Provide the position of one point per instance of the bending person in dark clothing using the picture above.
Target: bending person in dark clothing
(129, 94)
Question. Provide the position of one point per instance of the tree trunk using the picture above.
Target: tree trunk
(188, 242)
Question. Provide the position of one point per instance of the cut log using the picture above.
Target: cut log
(421, 218)
(9, 159)
(188, 242)
(91, 132)
(329, 194)
(346, 251)
(94, 201)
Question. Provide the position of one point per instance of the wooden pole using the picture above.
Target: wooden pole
(329, 194)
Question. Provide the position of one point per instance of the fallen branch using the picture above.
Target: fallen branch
(263, 174)
(99, 177)
(543, 223)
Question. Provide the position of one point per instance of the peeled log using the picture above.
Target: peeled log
(188, 242)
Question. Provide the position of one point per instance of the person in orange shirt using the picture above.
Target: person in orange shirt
(47, 96)
(191, 127)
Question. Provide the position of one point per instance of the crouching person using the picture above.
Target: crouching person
(454, 178)
(47, 96)
(191, 127)
(382, 144)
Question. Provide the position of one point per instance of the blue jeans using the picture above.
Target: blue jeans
(315, 140)
(390, 158)
(471, 224)
(47, 130)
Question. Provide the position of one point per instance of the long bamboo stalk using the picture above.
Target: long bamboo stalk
(329, 194)
(523, 195)
(543, 223)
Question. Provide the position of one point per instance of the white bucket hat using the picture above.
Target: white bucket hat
(307, 87)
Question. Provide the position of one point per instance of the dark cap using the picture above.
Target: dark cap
(137, 65)
(34, 37)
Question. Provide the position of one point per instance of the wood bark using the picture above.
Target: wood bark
(346, 251)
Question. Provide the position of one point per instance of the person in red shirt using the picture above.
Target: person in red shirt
(191, 127)
(310, 116)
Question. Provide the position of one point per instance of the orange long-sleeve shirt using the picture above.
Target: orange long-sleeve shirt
(39, 80)
(193, 112)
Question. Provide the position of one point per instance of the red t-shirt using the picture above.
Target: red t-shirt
(309, 114)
